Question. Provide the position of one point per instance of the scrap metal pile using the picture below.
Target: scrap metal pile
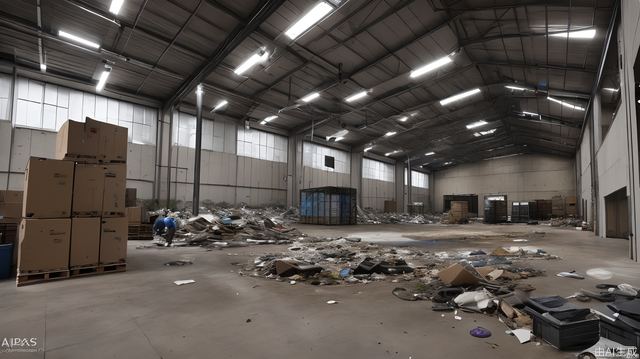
(369, 217)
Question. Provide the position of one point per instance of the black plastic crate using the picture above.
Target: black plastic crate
(618, 331)
(565, 335)
(328, 205)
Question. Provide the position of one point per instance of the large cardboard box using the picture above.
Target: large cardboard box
(112, 143)
(78, 141)
(113, 240)
(48, 188)
(113, 203)
(134, 215)
(44, 244)
(10, 205)
(88, 190)
(85, 242)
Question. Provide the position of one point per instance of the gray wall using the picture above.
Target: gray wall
(521, 178)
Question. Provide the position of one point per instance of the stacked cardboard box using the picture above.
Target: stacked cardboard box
(10, 215)
(73, 211)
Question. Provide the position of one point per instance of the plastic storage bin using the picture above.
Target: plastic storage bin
(563, 335)
(617, 330)
(6, 258)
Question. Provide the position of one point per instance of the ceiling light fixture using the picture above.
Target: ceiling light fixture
(254, 59)
(610, 89)
(447, 163)
(310, 97)
(103, 78)
(390, 133)
(530, 113)
(517, 88)
(309, 19)
(430, 67)
(356, 96)
(484, 133)
(581, 34)
(115, 6)
(199, 90)
(565, 104)
(367, 149)
(476, 124)
(220, 105)
(429, 153)
(43, 67)
(459, 96)
(403, 119)
(391, 153)
(78, 39)
(338, 139)
(270, 118)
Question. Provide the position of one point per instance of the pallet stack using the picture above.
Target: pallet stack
(73, 212)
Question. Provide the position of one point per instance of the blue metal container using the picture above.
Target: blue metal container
(6, 257)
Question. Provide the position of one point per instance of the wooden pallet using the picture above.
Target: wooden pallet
(97, 269)
(140, 232)
(112, 267)
(23, 279)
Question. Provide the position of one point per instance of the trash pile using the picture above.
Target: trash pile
(572, 223)
(224, 228)
(369, 217)
(347, 260)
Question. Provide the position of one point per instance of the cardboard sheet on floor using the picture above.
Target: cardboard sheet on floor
(459, 274)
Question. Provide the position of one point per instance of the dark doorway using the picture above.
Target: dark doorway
(617, 214)
(472, 199)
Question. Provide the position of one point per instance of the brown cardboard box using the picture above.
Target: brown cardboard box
(134, 215)
(114, 190)
(44, 244)
(88, 190)
(48, 188)
(11, 197)
(458, 274)
(113, 240)
(77, 140)
(85, 242)
(112, 145)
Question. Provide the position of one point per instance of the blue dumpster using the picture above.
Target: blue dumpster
(6, 257)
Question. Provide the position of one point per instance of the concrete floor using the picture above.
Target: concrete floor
(142, 314)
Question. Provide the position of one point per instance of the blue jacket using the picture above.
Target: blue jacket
(170, 223)
(158, 225)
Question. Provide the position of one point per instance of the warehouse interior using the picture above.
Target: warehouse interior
(314, 178)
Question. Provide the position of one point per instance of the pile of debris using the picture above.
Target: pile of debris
(369, 217)
(231, 228)
(328, 261)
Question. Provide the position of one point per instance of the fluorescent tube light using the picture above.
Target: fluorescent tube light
(565, 104)
(270, 118)
(251, 61)
(103, 79)
(115, 6)
(309, 19)
(581, 34)
(459, 96)
(447, 163)
(403, 119)
(263, 122)
(310, 97)
(78, 39)
(43, 67)
(429, 153)
(220, 105)
(611, 89)
(530, 113)
(484, 133)
(390, 133)
(367, 149)
(476, 124)
(430, 67)
(391, 153)
(517, 88)
(356, 96)
(338, 139)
